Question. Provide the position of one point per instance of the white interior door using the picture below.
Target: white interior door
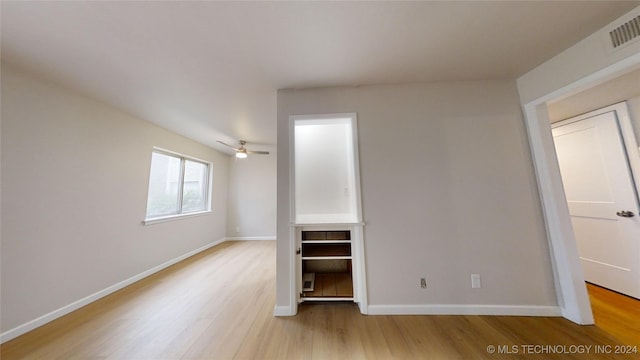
(602, 198)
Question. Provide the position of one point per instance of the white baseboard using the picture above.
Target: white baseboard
(235, 238)
(508, 310)
(283, 311)
(35, 323)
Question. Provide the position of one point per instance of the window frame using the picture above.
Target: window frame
(180, 199)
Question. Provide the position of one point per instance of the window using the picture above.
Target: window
(177, 186)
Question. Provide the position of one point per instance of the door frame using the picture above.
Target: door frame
(571, 291)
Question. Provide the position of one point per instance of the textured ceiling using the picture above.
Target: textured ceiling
(211, 70)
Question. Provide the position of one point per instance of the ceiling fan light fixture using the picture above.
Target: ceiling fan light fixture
(241, 154)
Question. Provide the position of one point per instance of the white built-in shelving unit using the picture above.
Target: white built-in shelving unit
(326, 222)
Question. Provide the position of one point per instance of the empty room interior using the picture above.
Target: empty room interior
(288, 180)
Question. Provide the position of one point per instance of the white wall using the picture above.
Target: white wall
(252, 197)
(448, 190)
(623, 88)
(74, 185)
(575, 63)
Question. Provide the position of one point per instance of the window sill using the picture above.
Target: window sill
(162, 219)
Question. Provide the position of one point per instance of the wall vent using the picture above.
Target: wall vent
(625, 32)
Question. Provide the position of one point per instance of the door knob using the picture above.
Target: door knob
(625, 213)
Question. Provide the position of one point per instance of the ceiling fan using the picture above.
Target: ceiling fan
(241, 152)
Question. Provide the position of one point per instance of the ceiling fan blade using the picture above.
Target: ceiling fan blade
(258, 152)
(233, 147)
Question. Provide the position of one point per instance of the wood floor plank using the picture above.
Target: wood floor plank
(616, 313)
(219, 305)
(344, 285)
(328, 284)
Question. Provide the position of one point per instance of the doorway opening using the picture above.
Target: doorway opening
(599, 162)
(572, 295)
(598, 156)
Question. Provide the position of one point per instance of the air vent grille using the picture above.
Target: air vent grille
(625, 32)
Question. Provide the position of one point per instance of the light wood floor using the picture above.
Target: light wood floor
(219, 305)
(616, 314)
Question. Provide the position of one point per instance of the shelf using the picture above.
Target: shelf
(326, 224)
(338, 286)
(326, 258)
(326, 250)
(331, 235)
(326, 265)
(326, 241)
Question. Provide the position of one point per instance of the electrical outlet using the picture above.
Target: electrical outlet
(423, 283)
(475, 281)
(237, 229)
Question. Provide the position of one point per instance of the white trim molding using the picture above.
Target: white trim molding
(284, 311)
(443, 309)
(44, 319)
(162, 219)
